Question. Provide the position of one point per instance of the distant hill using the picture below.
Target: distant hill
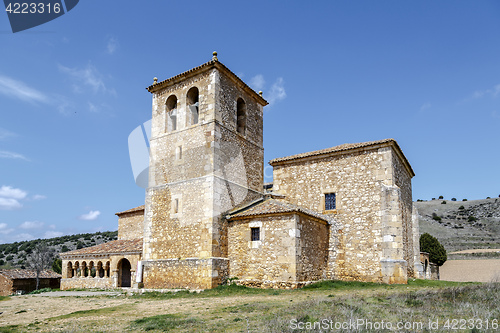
(462, 225)
(13, 255)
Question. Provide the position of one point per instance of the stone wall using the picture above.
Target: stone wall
(369, 208)
(197, 172)
(6, 286)
(192, 273)
(292, 250)
(131, 225)
(87, 283)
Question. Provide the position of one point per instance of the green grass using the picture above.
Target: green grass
(165, 322)
(220, 291)
(96, 312)
(39, 291)
(10, 329)
(4, 298)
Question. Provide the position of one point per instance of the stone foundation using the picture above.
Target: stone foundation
(190, 273)
(87, 283)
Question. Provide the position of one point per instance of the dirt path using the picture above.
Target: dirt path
(475, 251)
(479, 270)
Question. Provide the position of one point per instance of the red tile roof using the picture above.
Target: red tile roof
(113, 247)
(16, 274)
(272, 206)
(345, 148)
(210, 64)
(136, 209)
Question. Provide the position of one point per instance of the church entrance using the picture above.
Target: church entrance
(124, 278)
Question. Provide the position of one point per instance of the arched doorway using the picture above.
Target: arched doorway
(124, 278)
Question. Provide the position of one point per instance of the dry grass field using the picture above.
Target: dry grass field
(238, 309)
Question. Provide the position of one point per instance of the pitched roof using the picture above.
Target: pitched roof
(272, 207)
(28, 274)
(214, 63)
(345, 148)
(113, 247)
(136, 209)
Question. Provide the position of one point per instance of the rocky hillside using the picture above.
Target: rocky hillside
(462, 225)
(14, 255)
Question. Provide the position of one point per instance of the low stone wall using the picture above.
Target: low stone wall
(191, 273)
(87, 283)
(272, 284)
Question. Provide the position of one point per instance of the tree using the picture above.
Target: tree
(40, 259)
(430, 244)
(57, 265)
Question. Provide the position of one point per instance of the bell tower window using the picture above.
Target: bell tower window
(193, 104)
(171, 110)
(241, 116)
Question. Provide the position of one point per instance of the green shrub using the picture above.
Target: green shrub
(430, 244)
(9, 257)
(472, 219)
(57, 265)
(464, 199)
(441, 197)
(461, 208)
(436, 217)
(443, 203)
(453, 199)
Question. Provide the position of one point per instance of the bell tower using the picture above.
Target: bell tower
(206, 157)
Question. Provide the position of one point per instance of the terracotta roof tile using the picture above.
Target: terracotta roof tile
(272, 206)
(28, 274)
(116, 246)
(136, 209)
(345, 148)
(339, 148)
(212, 63)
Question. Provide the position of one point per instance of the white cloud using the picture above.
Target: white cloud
(277, 92)
(4, 229)
(39, 197)
(10, 192)
(9, 204)
(13, 156)
(22, 237)
(257, 82)
(31, 225)
(88, 76)
(493, 92)
(52, 234)
(90, 216)
(4, 134)
(14, 88)
(112, 45)
(425, 107)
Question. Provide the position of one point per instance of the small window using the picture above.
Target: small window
(255, 234)
(241, 116)
(330, 201)
(193, 103)
(176, 206)
(179, 152)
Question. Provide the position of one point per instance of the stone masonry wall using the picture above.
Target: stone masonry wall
(358, 178)
(197, 172)
(87, 283)
(402, 179)
(131, 225)
(6, 286)
(189, 273)
(292, 250)
(273, 258)
(312, 254)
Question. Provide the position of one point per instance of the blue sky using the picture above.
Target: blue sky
(426, 73)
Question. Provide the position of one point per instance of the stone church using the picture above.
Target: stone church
(339, 213)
